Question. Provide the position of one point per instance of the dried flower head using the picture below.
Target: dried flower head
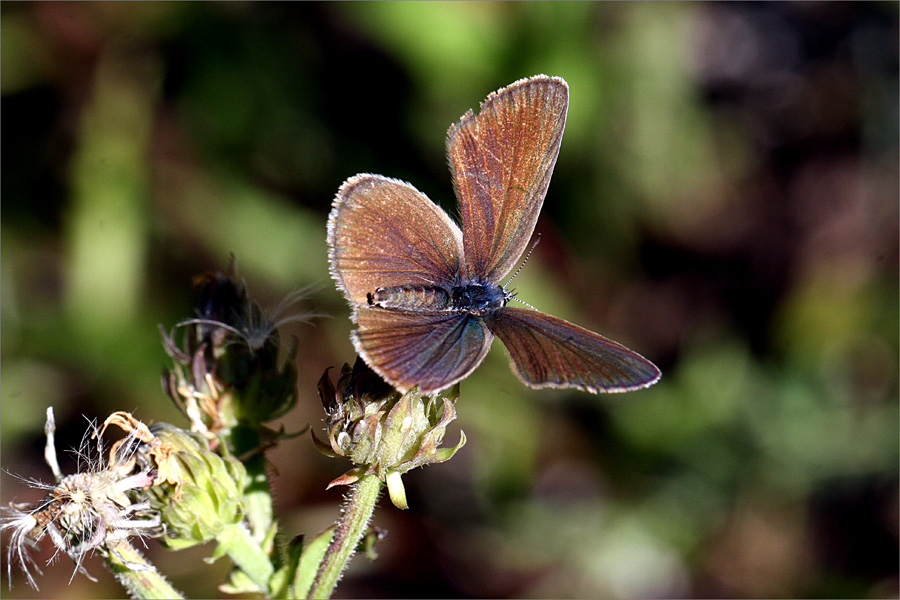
(87, 510)
(228, 369)
(251, 325)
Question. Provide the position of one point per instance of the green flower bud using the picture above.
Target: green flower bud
(207, 497)
(382, 431)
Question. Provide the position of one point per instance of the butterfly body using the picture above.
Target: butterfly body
(426, 294)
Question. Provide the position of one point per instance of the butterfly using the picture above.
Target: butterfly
(426, 296)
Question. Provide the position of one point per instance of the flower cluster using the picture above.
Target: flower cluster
(158, 481)
(229, 378)
(381, 431)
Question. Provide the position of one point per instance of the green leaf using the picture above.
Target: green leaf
(308, 564)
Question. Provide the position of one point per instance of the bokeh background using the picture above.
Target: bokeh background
(725, 202)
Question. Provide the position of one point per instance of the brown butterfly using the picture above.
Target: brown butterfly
(427, 297)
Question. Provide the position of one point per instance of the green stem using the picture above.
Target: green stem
(247, 554)
(258, 508)
(350, 529)
(246, 444)
(136, 573)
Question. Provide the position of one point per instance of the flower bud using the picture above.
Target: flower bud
(382, 431)
(209, 495)
(229, 370)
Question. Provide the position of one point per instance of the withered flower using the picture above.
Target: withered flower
(228, 369)
(100, 504)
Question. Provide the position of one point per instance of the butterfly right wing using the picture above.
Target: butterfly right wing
(547, 351)
(501, 160)
(383, 232)
(433, 349)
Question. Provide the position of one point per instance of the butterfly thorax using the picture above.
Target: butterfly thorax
(472, 298)
(478, 298)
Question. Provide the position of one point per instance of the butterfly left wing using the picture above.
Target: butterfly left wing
(547, 351)
(433, 349)
(383, 233)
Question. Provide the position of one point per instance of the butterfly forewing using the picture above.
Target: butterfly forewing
(383, 232)
(431, 349)
(547, 351)
(501, 161)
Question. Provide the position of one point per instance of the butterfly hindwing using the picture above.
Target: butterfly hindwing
(547, 351)
(433, 349)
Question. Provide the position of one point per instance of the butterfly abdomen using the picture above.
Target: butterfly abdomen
(410, 297)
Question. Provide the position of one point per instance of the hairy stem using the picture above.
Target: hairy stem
(350, 529)
(136, 573)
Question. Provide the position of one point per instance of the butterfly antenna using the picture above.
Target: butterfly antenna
(537, 240)
(513, 297)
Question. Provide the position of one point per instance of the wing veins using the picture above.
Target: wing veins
(460, 329)
(397, 243)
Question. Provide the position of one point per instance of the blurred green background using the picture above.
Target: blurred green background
(725, 203)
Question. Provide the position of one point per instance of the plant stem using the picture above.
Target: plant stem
(350, 529)
(246, 444)
(245, 551)
(258, 508)
(137, 574)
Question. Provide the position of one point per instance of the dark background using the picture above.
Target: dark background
(725, 203)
